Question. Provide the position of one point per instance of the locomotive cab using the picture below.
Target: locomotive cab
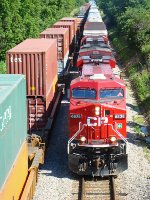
(97, 138)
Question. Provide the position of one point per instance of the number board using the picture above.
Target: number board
(75, 116)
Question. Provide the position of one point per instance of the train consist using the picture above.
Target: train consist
(29, 93)
(30, 90)
(97, 139)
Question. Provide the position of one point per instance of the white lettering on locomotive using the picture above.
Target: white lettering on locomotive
(96, 121)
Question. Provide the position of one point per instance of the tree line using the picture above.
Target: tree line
(21, 19)
(132, 19)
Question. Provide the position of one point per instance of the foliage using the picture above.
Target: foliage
(132, 19)
(21, 19)
(2, 67)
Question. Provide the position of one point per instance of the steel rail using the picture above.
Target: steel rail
(112, 182)
(82, 188)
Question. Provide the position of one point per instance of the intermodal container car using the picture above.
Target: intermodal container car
(69, 25)
(13, 133)
(37, 59)
(62, 36)
(71, 19)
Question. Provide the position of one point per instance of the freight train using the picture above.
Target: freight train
(97, 139)
(97, 113)
(28, 97)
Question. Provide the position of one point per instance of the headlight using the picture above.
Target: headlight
(82, 139)
(120, 116)
(97, 110)
(113, 139)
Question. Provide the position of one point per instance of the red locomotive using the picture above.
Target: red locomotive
(97, 115)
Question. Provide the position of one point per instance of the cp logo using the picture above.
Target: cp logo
(96, 121)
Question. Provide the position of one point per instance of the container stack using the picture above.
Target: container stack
(74, 20)
(13, 133)
(37, 59)
(62, 36)
(70, 26)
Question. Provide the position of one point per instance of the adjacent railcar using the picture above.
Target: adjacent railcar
(97, 114)
(13, 133)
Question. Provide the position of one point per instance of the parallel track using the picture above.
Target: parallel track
(97, 189)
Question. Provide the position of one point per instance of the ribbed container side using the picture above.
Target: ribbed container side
(37, 59)
(13, 120)
(38, 108)
(69, 25)
(71, 19)
(62, 36)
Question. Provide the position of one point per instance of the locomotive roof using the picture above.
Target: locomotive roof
(106, 81)
(89, 47)
(95, 26)
(89, 70)
(101, 74)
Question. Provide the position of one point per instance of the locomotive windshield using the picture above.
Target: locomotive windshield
(79, 93)
(112, 93)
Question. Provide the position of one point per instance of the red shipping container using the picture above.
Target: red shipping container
(71, 19)
(62, 36)
(37, 59)
(69, 25)
(38, 111)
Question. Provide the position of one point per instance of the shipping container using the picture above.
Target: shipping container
(95, 29)
(69, 25)
(37, 113)
(13, 133)
(71, 19)
(38, 110)
(62, 36)
(37, 59)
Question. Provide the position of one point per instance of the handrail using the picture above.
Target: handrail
(76, 134)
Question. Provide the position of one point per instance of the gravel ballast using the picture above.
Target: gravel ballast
(54, 178)
(134, 183)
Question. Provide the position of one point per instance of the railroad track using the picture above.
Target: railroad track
(96, 189)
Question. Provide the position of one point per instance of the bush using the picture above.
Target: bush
(2, 67)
